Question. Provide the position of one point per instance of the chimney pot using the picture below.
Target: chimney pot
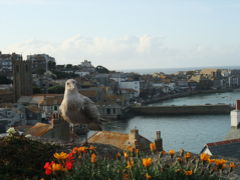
(158, 134)
(238, 105)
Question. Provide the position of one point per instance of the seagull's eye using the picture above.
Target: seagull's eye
(67, 83)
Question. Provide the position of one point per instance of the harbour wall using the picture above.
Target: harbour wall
(184, 94)
(180, 110)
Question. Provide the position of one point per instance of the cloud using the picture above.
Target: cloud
(129, 52)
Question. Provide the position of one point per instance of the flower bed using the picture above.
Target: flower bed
(83, 163)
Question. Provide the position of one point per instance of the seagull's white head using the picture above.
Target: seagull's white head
(71, 85)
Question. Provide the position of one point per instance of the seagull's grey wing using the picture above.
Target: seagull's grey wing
(91, 110)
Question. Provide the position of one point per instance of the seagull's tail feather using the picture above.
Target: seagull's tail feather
(94, 126)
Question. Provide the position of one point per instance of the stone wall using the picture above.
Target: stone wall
(181, 110)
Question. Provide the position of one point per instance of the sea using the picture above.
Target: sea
(189, 132)
(174, 70)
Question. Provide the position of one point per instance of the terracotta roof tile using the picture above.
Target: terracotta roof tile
(39, 129)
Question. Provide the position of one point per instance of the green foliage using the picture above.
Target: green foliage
(5, 80)
(22, 158)
(64, 75)
(56, 89)
(101, 69)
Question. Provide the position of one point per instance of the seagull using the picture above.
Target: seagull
(78, 109)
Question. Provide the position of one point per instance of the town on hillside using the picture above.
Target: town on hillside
(31, 90)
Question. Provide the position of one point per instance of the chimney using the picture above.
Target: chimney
(133, 138)
(235, 115)
(158, 141)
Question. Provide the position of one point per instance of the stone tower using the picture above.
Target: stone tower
(22, 78)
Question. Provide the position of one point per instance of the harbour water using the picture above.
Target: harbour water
(190, 132)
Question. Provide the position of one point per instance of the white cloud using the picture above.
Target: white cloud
(129, 52)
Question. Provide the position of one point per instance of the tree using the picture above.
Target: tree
(56, 89)
(101, 69)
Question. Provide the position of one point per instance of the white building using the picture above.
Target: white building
(135, 85)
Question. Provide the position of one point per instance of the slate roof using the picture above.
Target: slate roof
(227, 148)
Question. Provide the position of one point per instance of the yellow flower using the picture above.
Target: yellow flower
(171, 152)
(61, 155)
(148, 176)
(204, 157)
(93, 158)
(232, 165)
(188, 155)
(125, 154)
(188, 173)
(57, 167)
(146, 162)
(42, 179)
(152, 147)
(130, 164)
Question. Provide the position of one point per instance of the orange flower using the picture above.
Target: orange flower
(130, 164)
(61, 156)
(82, 149)
(204, 157)
(93, 158)
(130, 149)
(118, 155)
(188, 173)
(148, 176)
(220, 163)
(188, 155)
(179, 159)
(171, 152)
(152, 147)
(125, 154)
(162, 153)
(210, 161)
(232, 165)
(137, 151)
(91, 148)
(146, 162)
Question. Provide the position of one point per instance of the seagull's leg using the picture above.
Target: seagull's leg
(72, 132)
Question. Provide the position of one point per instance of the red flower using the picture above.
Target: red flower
(70, 156)
(69, 165)
(48, 167)
(48, 171)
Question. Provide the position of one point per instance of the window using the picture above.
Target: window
(114, 110)
(108, 111)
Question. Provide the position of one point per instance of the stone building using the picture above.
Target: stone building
(126, 141)
(6, 63)
(22, 78)
(57, 130)
(41, 63)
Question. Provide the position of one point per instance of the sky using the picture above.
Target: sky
(125, 34)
